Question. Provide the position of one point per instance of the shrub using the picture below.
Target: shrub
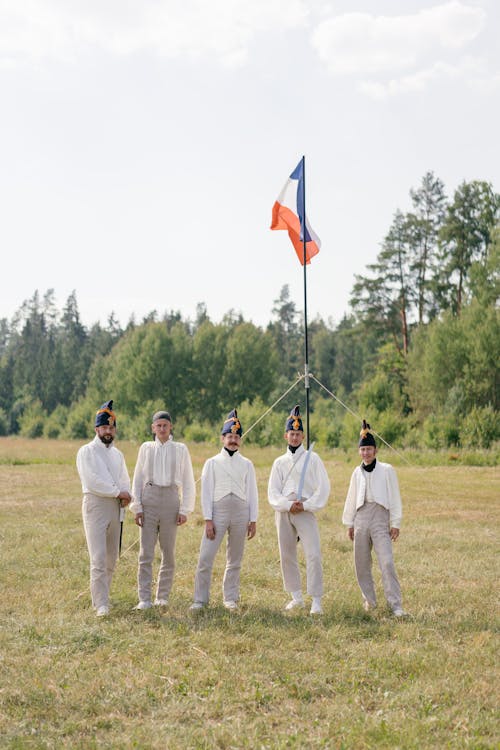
(4, 423)
(391, 426)
(480, 427)
(79, 424)
(349, 436)
(16, 413)
(55, 424)
(198, 432)
(32, 420)
(327, 432)
(441, 431)
(264, 430)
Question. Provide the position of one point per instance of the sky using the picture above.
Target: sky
(143, 143)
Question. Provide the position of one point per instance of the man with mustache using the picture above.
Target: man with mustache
(106, 490)
(229, 503)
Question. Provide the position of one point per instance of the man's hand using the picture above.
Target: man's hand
(394, 533)
(210, 529)
(181, 518)
(124, 498)
(297, 507)
(139, 519)
(350, 533)
(251, 530)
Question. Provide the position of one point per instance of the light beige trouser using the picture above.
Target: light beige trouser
(101, 521)
(290, 528)
(230, 514)
(161, 509)
(371, 529)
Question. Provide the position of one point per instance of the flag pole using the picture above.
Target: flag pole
(306, 345)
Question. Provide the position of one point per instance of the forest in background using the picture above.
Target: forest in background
(417, 353)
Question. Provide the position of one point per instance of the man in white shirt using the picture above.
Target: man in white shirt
(298, 488)
(163, 491)
(105, 485)
(373, 513)
(229, 504)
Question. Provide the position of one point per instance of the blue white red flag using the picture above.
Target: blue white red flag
(288, 213)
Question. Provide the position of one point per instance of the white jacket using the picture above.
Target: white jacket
(102, 469)
(224, 474)
(385, 489)
(285, 477)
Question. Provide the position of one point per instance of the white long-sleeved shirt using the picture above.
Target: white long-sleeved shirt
(102, 469)
(384, 490)
(285, 478)
(224, 474)
(155, 463)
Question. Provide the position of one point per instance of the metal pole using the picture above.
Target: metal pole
(306, 345)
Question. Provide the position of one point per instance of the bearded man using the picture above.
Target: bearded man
(106, 490)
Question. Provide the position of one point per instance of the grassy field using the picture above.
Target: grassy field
(259, 678)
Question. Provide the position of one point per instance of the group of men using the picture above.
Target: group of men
(163, 495)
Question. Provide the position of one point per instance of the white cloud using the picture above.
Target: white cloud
(28, 28)
(391, 55)
(31, 30)
(410, 83)
(362, 43)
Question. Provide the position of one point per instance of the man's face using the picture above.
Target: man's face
(106, 433)
(231, 441)
(294, 438)
(367, 453)
(162, 429)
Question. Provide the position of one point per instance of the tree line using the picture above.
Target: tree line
(416, 353)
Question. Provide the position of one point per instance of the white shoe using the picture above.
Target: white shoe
(399, 612)
(231, 605)
(196, 606)
(143, 605)
(161, 603)
(368, 606)
(102, 611)
(316, 608)
(294, 604)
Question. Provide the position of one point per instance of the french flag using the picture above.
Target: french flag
(289, 214)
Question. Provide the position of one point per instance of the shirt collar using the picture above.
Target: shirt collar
(226, 454)
(100, 444)
(294, 456)
(160, 445)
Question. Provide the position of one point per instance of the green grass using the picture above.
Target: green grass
(259, 678)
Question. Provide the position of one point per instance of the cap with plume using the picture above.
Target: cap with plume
(105, 415)
(365, 436)
(294, 421)
(232, 424)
